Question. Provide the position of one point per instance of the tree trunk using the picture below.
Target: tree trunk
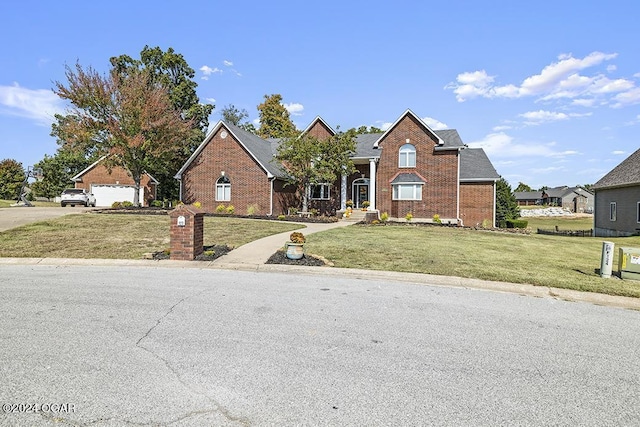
(305, 198)
(136, 195)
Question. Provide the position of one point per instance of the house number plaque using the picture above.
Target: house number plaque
(181, 221)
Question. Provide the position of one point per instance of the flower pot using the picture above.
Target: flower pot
(294, 250)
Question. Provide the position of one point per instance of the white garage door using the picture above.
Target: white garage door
(107, 194)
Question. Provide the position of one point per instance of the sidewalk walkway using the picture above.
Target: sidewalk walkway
(258, 252)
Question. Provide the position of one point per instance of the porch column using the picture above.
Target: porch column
(343, 193)
(372, 184)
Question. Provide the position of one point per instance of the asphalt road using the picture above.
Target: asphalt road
(17, 216)
(119, 346)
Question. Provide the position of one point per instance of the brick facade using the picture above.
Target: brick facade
(187, 241)
(100, 175)
(439, 168)
(250, 185)
(475, 206)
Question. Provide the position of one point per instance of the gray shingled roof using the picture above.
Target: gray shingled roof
(476, 166)
(528, 195)
(626, 173)
(364, 145)
(450, 137)
(261, 149)
(407, 177)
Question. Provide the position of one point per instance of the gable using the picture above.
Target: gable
(403, 126)
(97, 172)
(319, 129)
(625, 174)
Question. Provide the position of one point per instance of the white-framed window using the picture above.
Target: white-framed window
(612, 211)
(223, 189)
(407, 156)
(320, 191)
(407, 192)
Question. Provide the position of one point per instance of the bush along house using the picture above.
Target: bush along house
(408, 169)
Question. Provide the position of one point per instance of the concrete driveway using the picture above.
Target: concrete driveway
(17, 216)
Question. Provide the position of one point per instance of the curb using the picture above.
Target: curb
(414, 278)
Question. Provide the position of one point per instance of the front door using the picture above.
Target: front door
(360, 192)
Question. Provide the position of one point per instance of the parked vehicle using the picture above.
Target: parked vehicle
(77, 196)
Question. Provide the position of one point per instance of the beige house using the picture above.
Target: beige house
(617, 200)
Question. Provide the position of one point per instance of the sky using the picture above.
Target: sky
(550, 90)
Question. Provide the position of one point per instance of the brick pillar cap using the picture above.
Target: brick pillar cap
(186, 209)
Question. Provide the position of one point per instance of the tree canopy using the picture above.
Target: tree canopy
(11, 178)
(506, 204)
(365, 129)
(275, 121)
(58, 170)
(522, 187)
(128, 117)
(231, 114)
(309, 160)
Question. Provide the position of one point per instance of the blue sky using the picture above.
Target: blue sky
(551, 90)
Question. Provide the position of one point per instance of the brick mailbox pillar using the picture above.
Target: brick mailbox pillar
(186, 232)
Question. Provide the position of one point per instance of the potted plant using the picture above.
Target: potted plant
(295, 245)
(365, 205)
(349, 203)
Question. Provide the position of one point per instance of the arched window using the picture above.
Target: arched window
(407, 156)
(223, 189)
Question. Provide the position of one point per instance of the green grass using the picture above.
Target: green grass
(563, 262)
(122, 236)
(8, 203)
(563, 223)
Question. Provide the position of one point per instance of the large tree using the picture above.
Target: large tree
(170, 70)
(231, 114)
(128, 117)
(522, 187)
(310, 161)
(275, 121)
(506, 204)
(57, 171)
(11, 178)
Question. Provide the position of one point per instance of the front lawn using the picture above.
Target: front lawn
(122, 236)
(8, 203)
(563, 262)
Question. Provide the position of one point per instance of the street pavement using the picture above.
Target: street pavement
(107, 345)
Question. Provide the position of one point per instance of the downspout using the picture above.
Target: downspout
(460, 222)
(271, 195)
(180, 189)
(495, 184)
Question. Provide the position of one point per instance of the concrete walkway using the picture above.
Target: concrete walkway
(16, 216)
(258, 252)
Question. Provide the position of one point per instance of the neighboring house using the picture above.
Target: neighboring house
(617, 200)
(576, 199)
(408, 168)
(115, 185)
(528, 198)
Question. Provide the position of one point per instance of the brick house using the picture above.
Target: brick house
(115, 185)
(617, 200)
(408, 168)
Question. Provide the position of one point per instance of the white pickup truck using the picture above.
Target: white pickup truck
(77, 196)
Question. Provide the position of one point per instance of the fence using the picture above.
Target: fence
(572, 233)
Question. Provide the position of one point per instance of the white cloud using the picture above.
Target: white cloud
(434, 124)
(584, 102)
(211, 100)
(611, 68)
(294, 108)
(227, 63)
(207, 71)
(385, 125)
(501, 128)
(556, 81)
(542, 116)
(501, 145)
(618, 152)
(39, 105)
(630, 97)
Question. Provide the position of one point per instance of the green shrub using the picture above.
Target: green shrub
(517, 223)
(197, 205)
(384, 217)
(252, 210)
(282, 217)
(486, 223)
(116, 205)
(209, 253)
(220, 208)
(230, 209)
(156, 204)
(127, 204)
(375, 221)
(314, 212)
(293, 211)
(408, 217)
(436, 219)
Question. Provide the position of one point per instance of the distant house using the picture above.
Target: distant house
(576, 199)
(409, 168)
(617, 200)
(115, 185)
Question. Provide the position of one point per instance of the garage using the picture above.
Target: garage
(106, 194)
